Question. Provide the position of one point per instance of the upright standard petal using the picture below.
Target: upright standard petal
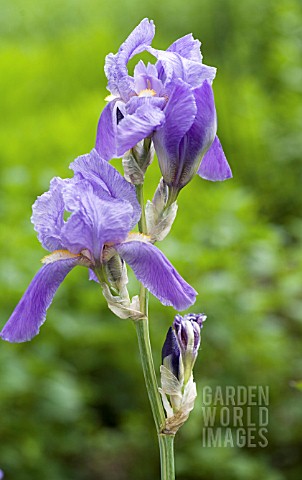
(214, 165)
(48, 215)
(157, 274)
(93, 168)
(173, 65)
(30, 312)
(187, 47)
(94, 220)
(119, 83)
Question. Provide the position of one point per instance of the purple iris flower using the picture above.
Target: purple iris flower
(171, 101)
(102, 208)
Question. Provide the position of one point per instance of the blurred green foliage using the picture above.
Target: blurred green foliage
(72, 401)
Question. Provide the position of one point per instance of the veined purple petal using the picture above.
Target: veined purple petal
(176, 66)
(199, 138)
(48, 215)
(142, 69)
(157, 274)
(187, 47)
(146, 82)
(119, 83)
(97, 171)
(138, 126)
(94, 220)
(146, 77)
(214, 165)
(150, 103)
(180, 113)
(30, 312)
(106, 131)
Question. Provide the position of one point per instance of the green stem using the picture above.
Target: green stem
(172, 196)
(166, 446)
(142, 224)
(142, 330)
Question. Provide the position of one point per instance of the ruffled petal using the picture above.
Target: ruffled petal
(48, 215)
(187, 47)
(94, 220)
(30, 313)
(173, 65)
(214, 165)
(157, 274)
(180, 113)
(134, 128)
(93, 168)
(119, 82)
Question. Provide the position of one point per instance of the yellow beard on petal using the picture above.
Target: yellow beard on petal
(148, 92)
(59, 255)
(141, 237)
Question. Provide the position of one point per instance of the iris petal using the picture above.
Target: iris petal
(134, 128)
(119, 83)
(30, 312)
(214, 165)
(97, 171)
(94, 220)
(157, 274)
(106, 132)
(48, 215)
(180, 113)
(173, 65)
(187, 47)
(199, 138)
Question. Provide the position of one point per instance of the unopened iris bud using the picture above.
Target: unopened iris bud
(187, 332)
(179, 354)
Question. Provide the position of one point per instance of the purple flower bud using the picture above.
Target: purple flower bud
(181, 345)
(171, 353)
(181, 326)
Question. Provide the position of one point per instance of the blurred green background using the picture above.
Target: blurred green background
(72, 401)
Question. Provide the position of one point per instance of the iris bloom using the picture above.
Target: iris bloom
(171, 101)
(103, 209)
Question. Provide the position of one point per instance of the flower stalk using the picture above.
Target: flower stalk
(166, 442)
(166, 446)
